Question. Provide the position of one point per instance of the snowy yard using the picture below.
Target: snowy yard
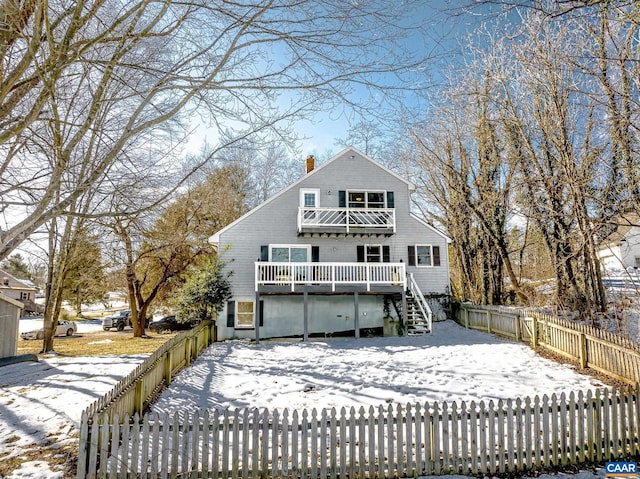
(44, 400)
(452, 364)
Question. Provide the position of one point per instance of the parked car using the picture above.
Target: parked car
(65, 328)
(170, 323)
(120, 320)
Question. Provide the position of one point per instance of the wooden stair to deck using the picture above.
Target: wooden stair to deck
(415, 322)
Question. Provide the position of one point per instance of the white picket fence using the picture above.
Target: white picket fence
(138, 389)
(588, 347)
(393, 441)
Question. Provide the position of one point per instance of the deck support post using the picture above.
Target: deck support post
(257, 315)
(356, 319)
(306, 314)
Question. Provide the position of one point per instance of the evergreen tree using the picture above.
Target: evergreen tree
(85, 281)
(204, 292)
(16, 267)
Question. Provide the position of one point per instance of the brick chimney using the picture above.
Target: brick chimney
(310, 163)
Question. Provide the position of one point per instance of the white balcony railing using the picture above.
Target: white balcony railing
(333, 274)
(346, 219)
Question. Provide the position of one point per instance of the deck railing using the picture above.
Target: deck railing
(333, 274)
(346, 220)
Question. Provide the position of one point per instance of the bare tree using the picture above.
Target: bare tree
(461, 157)
(366, 135)
(89, 88)
(265, 162)
(554, 136)
(156, 249)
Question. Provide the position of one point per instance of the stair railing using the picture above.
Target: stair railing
(425, 310)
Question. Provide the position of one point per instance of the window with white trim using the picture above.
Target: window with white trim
(373, 253)
(424, 256)
(309, 201)
(310, 197)
(24, 296)
(284, 253)
(245, 314)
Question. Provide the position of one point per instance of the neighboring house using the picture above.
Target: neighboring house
(621, 249)
(337, 252)
(9, 324)
(21, 290)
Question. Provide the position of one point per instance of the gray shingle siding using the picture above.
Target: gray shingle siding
(275, 222)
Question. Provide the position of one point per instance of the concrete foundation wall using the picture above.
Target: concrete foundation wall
(284, 315)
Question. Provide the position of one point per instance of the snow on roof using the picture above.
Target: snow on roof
(15, 283)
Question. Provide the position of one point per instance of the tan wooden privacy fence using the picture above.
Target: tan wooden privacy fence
(613, 355)
(421, 439)
(133, 393)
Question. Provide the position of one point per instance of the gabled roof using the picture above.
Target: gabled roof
(14, 283)
(216, 237)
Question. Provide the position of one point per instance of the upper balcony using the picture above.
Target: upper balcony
(371, 221)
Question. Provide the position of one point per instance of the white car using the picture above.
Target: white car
(65, 328)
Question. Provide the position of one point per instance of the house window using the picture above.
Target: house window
(636, 262)
(423, 255)
(309, 197)
(373, 253)
(241, 314)
(24, 296)
(244, 314)
(366, 199)
(309, 201)
(283, 253)
(375, 199)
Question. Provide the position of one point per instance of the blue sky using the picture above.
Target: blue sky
(444, 26)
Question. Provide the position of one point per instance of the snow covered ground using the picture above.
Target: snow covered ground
(42, 401)
(453, 364)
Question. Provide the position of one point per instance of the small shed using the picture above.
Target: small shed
(10, 310)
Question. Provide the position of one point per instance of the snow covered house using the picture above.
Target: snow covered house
(621, 249)
(337, 252)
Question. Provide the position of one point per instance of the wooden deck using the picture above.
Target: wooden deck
(330, 277)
